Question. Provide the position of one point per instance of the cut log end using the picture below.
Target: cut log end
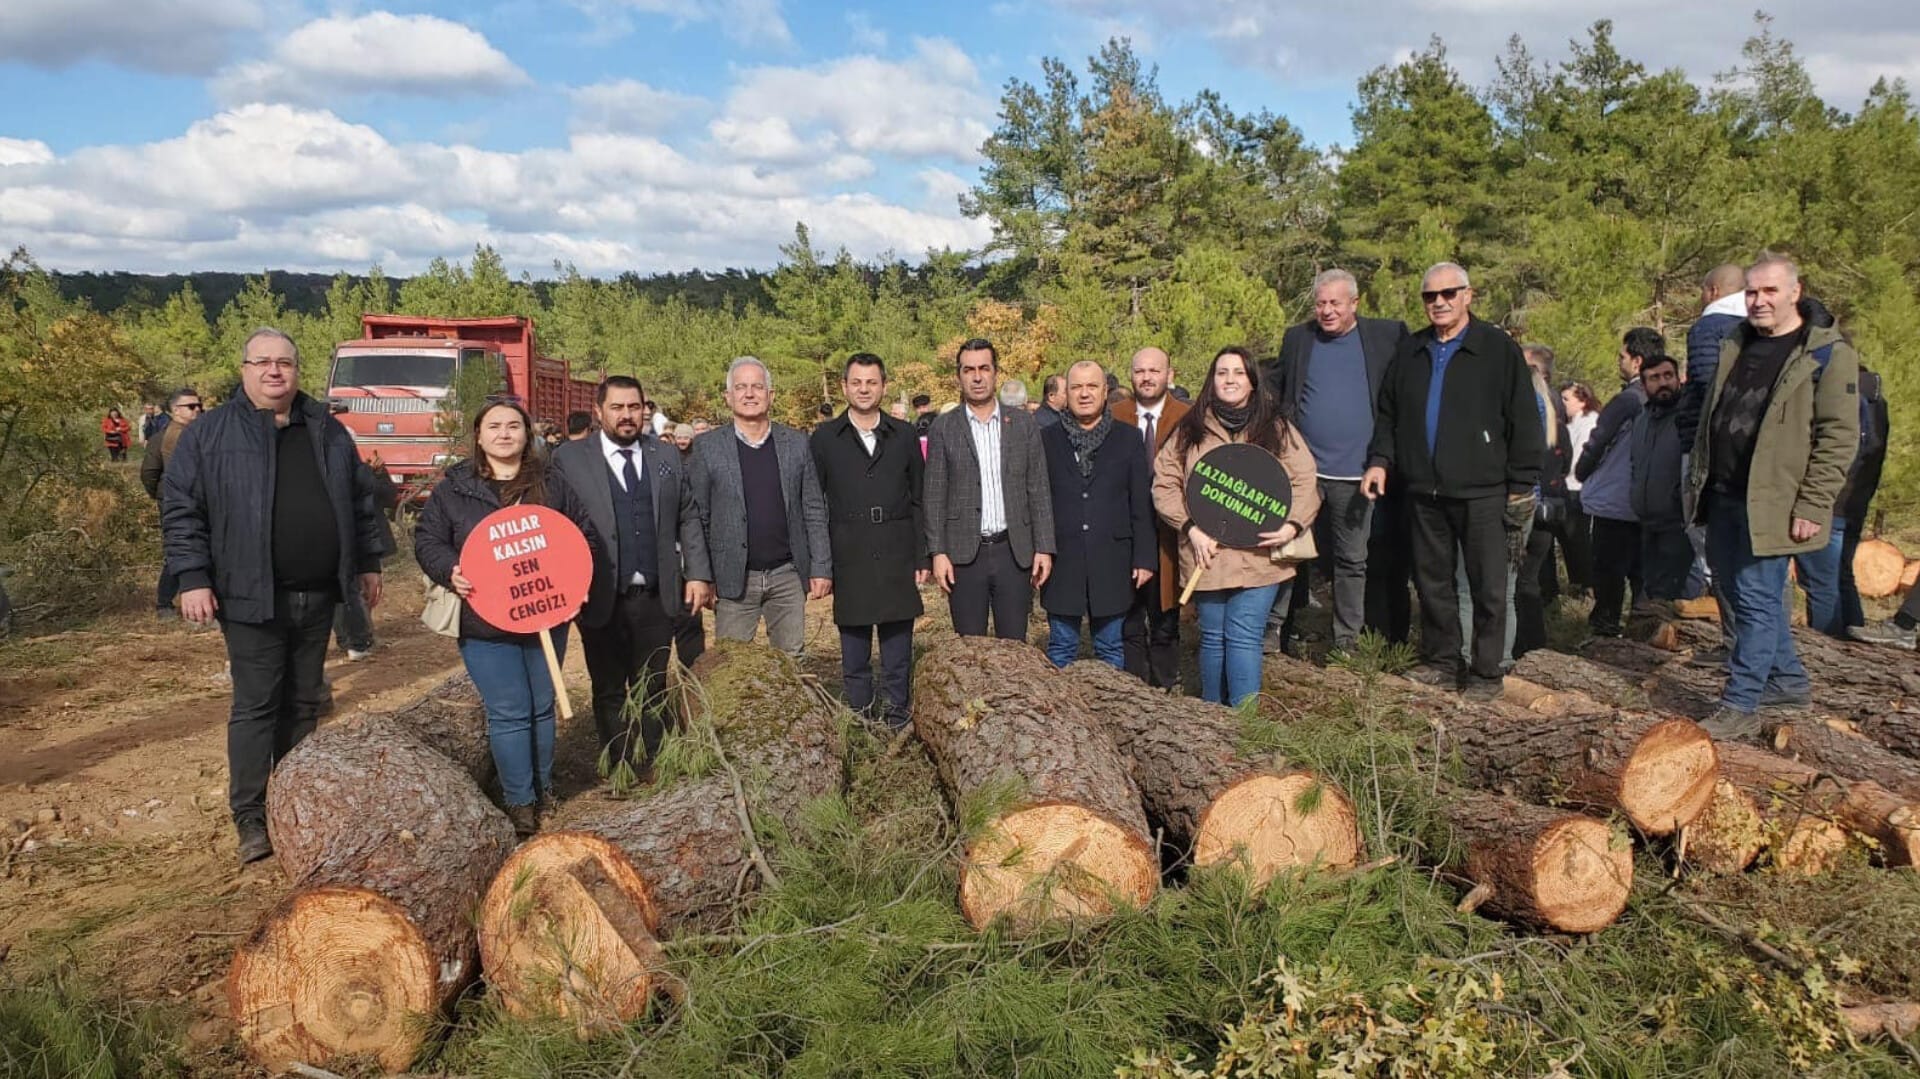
(1669, 782)
(1728, 836)
(568, 929)
(1054, 861)
(1581, 877)
(334, 972)
(1279, 822)
(1878, 567)
(1806, 845)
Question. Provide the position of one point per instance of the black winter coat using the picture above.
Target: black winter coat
(1103, 525)
(1490, 437)
(216, 505)
(874, 519)
(458, 503)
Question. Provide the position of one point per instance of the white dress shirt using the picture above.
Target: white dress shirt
(986, 450)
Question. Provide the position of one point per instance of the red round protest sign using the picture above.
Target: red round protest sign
(530, 569)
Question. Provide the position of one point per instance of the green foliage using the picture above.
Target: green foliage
(57, 1027)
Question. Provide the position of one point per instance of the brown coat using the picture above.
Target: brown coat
(1171, 413)
(1232, 567)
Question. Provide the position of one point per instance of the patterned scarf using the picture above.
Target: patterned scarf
(1232, 418)
(1085, 440)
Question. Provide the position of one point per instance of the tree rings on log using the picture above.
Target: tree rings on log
(568, 928)
(1878, 567)
(1279, 821)
(1538, 867)
(1071, 837)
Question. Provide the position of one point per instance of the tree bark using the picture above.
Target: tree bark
(1211, 799)
(571, 922)
(452, 720)
(1064, 833)
(1658, 771)
(1559, 671)
(1835, 746)
(1537, 867)
(1859, 806)
(387, 843)
(1898, 731)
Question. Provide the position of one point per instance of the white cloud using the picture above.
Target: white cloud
(866, 36)
(301, 188)
(628, 105)
(926, 105)
(175, 37)
(749, 22)
(380, 52)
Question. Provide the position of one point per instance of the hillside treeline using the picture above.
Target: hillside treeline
(1585, 196)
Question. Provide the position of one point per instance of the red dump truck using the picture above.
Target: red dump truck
(396, 380)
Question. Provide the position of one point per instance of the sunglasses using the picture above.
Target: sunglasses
(190, 406)
(1441, 293)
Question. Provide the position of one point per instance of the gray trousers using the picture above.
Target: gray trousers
(778, 595)
(1342, 532)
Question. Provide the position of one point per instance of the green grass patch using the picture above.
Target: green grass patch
(57, 1026)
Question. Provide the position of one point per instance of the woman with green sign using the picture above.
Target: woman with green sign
(1238, 585)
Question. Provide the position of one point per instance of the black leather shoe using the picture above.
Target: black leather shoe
(254, 843)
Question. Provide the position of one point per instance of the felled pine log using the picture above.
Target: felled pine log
(1658, 771)
(1838, 747)
(1860, 807)
(1729, 836)
(1548, 869)
(1210, 797)
(1065, 834)
(571, 922)
(388, 843)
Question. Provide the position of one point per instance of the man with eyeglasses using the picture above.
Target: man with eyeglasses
(183, 407)
(269, 520)
(1458, 421)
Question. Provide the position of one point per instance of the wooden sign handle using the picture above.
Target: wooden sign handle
(560, 697)
(1192, 583)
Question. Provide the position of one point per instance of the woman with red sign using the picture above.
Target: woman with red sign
(1240, 585)
(509, 669)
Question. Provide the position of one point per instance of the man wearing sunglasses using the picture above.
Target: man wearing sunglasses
(269, 519)
(1458, 420)
(183, 407)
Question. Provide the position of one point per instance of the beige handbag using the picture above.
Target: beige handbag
(441, 614)
(1300, 548)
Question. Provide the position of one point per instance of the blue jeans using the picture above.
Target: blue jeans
(1762, 657)
(518, 693)
(1819, 573)
(1063, 639)
(1232, 621)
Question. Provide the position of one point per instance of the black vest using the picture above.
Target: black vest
(633, 518)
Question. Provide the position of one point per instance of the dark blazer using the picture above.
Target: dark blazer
(1172, 411)
(1490, 439)
(1380, 341)
(459, 502)
(216, 504)
(676, 520)
(713, 467)
(874, 518)
(953, 487)
(1103, 524)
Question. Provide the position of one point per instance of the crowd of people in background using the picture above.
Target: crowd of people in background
(1438, 475)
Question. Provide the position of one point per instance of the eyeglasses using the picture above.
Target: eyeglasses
(274, 365)
(1427, 296)
(190, 406)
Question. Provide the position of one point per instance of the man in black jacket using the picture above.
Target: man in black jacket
(1656, 482)
(871, 473)
(1459, 422)
(269, 520)
(1328, 379)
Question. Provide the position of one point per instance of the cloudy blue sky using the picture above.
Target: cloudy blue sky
(646, 135)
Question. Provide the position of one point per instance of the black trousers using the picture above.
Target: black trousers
(353, 625)
(896, 667)
(689, 636)
(279, 689)
(1150, 638)
(1476, 529)
(1576, 543)
(1530, 595)
(1616, 564)
(992, 583)
(1390, 570)
(627, 661)
(1666, 558)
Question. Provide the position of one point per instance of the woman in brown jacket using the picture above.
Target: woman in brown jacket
(1240, 586)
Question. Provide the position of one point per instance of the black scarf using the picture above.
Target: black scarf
(1232, 418)
(1085, 440)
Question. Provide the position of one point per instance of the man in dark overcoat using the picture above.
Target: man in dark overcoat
(1103, 521)
(871, 470)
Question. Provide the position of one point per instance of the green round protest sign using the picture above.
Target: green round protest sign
(1238, 491)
